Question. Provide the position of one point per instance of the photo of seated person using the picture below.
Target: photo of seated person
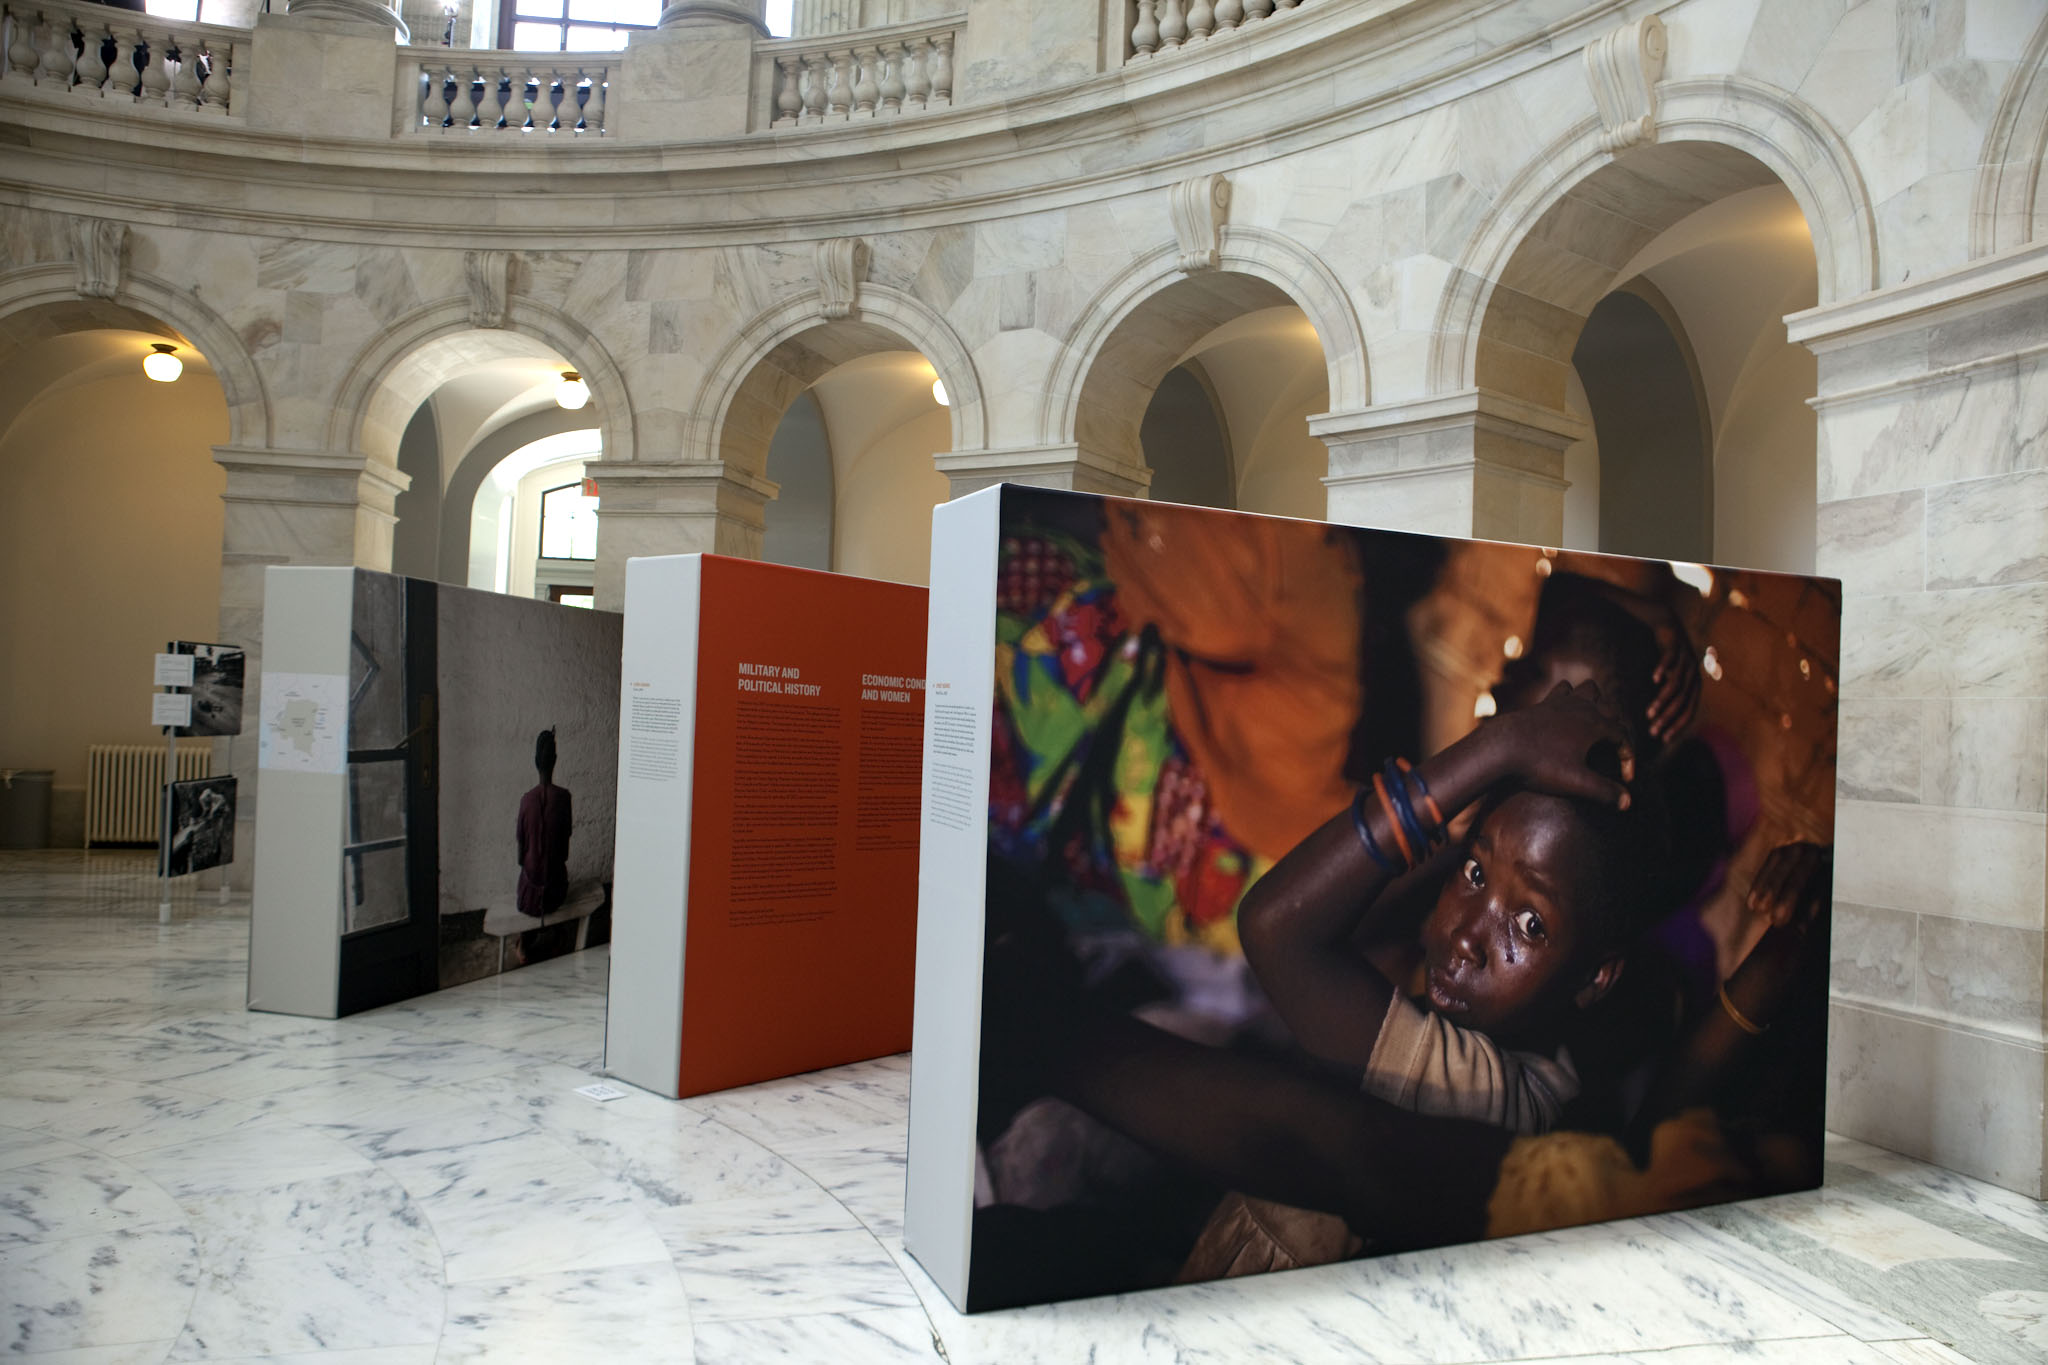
(1272, 979)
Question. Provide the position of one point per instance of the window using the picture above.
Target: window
(568, 523)
(573, 25)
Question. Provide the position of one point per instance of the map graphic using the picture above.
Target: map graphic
(305, 722)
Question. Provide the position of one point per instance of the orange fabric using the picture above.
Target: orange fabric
(1263, 618)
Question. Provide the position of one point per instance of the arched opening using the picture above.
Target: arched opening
(1650, 300)
(486, 431)
(114, 500)
(1225, 369)
(845, 418)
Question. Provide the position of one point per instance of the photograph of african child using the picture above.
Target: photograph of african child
(1353, 891)
(216, 688)
(202, 826)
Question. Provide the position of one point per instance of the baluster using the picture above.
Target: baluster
(942, 70)
(818, 82)
(185, 80)
(893, 90)
(1229, 14)
(434, 98)
(593, 108)
(213, 86)
(21, 47)
(92, 64)
(1201, 20)
(540, 105)
(462, 112)
(841, 93)
(1145, 33)
(917, 83)
(513, 95)
(1255, 10)
(1173, 25)
(789, 96)
(866, 89)
(53, 62)
(121, 79)
(1285, 4)
(156, 79)
(235, 53)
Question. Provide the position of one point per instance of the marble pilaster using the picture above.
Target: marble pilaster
(288, 507)
(1933, 474)
(690, 78)
(325, 70)
(674, 508)
(1072, 467)
(1474, 463)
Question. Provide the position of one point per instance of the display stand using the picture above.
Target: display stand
(770, 726)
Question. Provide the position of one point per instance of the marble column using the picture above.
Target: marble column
(675, 508)
(1474, 463)
(325, 69)
(1043, 467)
(1933, 511)
(288, 507)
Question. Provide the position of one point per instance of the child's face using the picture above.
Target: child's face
(1505, 943)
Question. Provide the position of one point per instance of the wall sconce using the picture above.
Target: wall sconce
(161, 364)
(572, 393)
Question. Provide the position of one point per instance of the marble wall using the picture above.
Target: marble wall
(1432, 183)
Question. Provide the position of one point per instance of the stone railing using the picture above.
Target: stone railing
(873, 73)
(92, 52)
(465, 91)
(1166, 26)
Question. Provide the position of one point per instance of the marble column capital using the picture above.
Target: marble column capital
(309, 477)
(650, 488)
(1062, 466)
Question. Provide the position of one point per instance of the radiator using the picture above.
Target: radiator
(124, 789)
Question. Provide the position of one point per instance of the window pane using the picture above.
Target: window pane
(539, 9)
(187, 10)
(584, 39)
(373, 889)
(578, 599)
(536, 38)
(568, 524)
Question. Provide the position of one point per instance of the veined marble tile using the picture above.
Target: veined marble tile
(1838, 1307)
(1920, 1351)
(1841, 1350)
(1988, 531)
(362, 1297)
(374, 1355)
(357, 1100)
(524, 1203)
(2022, 1312)
(886, 1336)
(783, 1269)
(24, 1147)
(131, 1285)
(863, 1170)
(1979, 865)
(152, 1117)
(1879, 1235)
(2016, 1212)
(360, 1212)
(254, 1157)
(129, 1353)
(1986, 973)
(624, 1312)
(800, 1108)
(81, 1195)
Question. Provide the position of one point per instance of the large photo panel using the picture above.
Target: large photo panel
(1350, 891)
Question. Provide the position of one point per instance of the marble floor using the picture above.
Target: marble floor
(183, 1180)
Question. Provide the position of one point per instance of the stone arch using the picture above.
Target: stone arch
(786, 349)
(43, 300)
(1510, 314)
(1098, 406)
(396, 372)
(2011, 201)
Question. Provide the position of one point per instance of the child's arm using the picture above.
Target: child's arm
(1792, 887)
(1298, 920)
(1271, 1133)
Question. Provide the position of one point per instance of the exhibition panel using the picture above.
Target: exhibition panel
(1294, 892)
(448, 753)
(770, 724)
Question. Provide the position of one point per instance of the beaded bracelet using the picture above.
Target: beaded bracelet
(1372, 847)
(1404, 808)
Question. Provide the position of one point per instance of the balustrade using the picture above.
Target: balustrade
(875, 73)
(1165, 26)
(508, 92)
(95, 53)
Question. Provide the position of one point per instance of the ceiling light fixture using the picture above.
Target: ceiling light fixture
(572, 393)
(160, 364)
(939, 393)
